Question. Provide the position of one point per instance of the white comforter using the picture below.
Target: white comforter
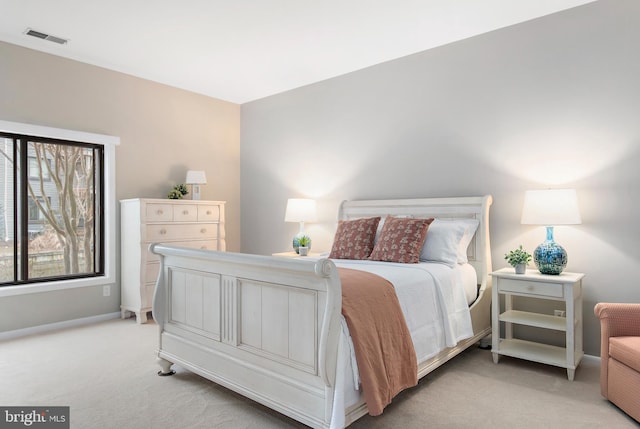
(436, 309)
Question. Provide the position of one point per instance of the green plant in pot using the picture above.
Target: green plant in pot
(178, 192)
(518, 259)
(304, 242)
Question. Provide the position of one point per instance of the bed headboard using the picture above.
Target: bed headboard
(479, 250)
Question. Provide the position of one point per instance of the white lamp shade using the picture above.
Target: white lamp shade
(196, 177)
(300, 210)
(551, 207)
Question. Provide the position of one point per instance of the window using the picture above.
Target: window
(74, 233)
(55, 211)
(35, 214)
(21, 237)
(35, 170)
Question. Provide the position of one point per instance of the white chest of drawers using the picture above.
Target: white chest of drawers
(187, 223)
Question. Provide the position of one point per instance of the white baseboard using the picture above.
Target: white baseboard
(591, 358)
(58, 325)
(108, 316)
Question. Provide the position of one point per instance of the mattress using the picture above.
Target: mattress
(435, 301)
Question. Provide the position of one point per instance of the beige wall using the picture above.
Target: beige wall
(164, 131)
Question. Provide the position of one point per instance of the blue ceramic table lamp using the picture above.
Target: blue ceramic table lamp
(550, 207)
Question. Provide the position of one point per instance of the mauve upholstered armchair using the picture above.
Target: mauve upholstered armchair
(620, 355)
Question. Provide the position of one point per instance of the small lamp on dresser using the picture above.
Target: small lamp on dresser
(195, 178)
(550, 207)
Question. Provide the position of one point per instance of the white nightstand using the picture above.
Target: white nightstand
(565, 287)
(295, 255)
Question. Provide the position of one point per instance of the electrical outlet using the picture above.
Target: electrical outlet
(559, 313)
(106, 290)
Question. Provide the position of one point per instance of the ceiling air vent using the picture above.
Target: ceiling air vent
(44, 36)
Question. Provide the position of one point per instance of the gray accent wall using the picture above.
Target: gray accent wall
(552, 102)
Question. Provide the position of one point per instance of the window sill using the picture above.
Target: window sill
(54, 286)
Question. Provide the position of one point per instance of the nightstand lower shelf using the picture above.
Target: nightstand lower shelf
(537, 352)
(534, 319)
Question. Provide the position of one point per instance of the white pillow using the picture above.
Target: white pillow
(447, 241)
(472, 226)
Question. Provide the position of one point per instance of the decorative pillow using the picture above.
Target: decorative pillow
(448, 240)
(401, 240)
(381, 224)
(354, 238)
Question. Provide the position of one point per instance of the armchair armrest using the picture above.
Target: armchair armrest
(617, 319)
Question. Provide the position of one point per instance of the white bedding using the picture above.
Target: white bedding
(435, 300)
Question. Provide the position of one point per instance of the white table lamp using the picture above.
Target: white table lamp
(550, 207)
(195, 178)
(300, 210)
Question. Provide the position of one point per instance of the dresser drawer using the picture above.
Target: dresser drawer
(159, 213)
(208, 244)
(200, 244)
(185, 213)
(151, 272)
(147, 295)
(208, 213)
(530, 288)
(169, 232)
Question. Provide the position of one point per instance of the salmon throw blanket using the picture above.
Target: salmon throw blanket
(384, 350)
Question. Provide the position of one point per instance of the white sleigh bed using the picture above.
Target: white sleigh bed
(271, 328)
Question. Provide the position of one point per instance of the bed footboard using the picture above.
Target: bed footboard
(267, 328)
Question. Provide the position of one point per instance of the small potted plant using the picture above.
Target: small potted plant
(518, 259)
(178, 192)
(303, 245)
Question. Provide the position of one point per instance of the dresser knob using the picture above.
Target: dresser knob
(160, 211)
(163, 231)
(203, 247)
(186, 212)
(203, 230)
(208, 212)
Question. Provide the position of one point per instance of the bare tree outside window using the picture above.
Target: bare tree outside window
(59, 233)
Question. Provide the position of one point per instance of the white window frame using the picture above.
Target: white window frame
(109, 144)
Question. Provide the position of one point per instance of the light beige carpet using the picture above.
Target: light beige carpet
(106, 373)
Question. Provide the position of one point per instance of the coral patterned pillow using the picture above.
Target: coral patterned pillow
(354, 238)
(401, 240)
